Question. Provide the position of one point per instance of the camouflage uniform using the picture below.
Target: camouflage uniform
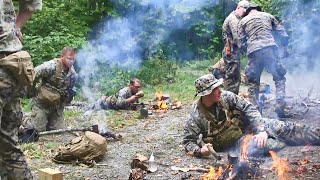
(46, 116)
(235, 108)
(117, 101)
(230, 33)
(255, 31)
(12, 161)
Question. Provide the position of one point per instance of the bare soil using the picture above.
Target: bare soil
(162, 134)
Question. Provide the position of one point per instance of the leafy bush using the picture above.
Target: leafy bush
(157, 70)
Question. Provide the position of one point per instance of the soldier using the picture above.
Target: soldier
(52, 82)
(13, 164)
(123, 99)
(255, 31)
(223, 118)
(231, 52)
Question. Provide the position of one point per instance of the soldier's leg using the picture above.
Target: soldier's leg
(39, 117)
(253, 72)
(233, 77)
(12, 161)
(278, 71)
(56, 120)
(292, 133)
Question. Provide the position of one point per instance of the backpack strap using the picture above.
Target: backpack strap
(58, 70)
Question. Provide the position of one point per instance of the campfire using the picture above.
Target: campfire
(162, 102)
(280, 166)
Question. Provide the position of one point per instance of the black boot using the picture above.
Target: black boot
(280, 108)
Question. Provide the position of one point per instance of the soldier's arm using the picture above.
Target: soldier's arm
(242, 37)
(26, 9)
(46, 69)
(247, 109)
(123, 100)
(276, 26)
(226, 31)
(192, 128)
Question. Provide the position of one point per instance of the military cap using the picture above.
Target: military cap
(205, 84)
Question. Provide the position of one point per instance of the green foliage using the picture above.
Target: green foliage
(157, 70)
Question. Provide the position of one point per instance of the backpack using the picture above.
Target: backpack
(21, 66)
(49, 95)
(84, 149)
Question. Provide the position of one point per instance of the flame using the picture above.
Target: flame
(162, 105)
(244, 148)
(280, 166)
(213, 174)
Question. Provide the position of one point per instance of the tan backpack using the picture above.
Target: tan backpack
(85, 149)
(21, 66)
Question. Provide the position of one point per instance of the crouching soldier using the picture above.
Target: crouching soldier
(123, 99)
(224, 118)
(52, 81)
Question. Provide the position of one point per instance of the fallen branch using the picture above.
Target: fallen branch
(198, 169)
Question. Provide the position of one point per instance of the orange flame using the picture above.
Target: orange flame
(213, 174)
(244, 148)
(280, 166)
(162, 105)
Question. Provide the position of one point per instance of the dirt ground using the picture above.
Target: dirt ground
(162, 134)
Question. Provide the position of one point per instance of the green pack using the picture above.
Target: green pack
(221, 134)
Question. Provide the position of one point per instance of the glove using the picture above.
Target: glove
(139, 94)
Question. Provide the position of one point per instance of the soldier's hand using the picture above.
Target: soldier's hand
(261, 139)
(205, 150)
(103, 98)
(19, 34)
(227, 51)
(140, 94)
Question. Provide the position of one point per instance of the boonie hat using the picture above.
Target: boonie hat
(205, 84)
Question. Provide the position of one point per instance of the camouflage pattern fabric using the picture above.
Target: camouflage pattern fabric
(12, 161)
(9, 42)
(265, 58)
(279, 132)
(45, 116)
(255, 31)
(256, 37)
(232, 80)
(117, 101)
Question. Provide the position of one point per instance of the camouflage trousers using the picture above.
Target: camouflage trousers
(13, 163)
(45, 118)
(232, 79)
(267, 58)
(281, 134)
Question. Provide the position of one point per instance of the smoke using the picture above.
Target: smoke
(133, 36)
(302, 21)
(303, 24)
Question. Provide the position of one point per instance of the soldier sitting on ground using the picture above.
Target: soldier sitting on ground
(123, 99)
(223, 118)
(53, 81)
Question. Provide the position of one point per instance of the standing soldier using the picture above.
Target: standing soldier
(231, 52)
(13, 164)
(53, 81)
(257, 39)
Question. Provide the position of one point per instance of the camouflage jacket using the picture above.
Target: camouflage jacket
(230, 30)
(232, 107)
(255, 31)
(45, 75)
(119, 100)
(9, 42)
